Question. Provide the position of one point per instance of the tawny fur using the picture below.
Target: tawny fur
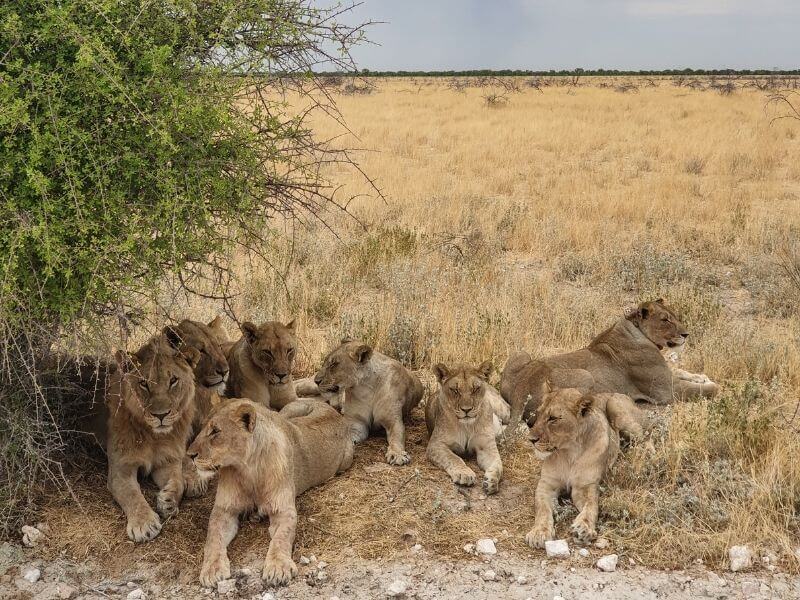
(265, 460)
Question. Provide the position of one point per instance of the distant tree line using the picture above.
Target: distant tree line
(565, 72)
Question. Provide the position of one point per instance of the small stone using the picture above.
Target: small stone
(469, 548)
(583, 552)
(489, 575)
(322, 564)
(601, 543)
(750, 589)
(322, 576)
(631, 561)
(312, 558)
(131, 584)
(416, 547)
(304, 560)
(740, 558)
(522, 580)
(556, 548)
(31, 574)
(268, 596)
(558, 597)
(608, 563)
(397, 589)
(137, 594)
(485, 546)
(226, 586)
(31, 536)
(65, 591)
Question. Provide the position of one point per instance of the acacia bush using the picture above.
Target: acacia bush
(140, 140)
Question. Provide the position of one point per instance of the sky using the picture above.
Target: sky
(565, 34)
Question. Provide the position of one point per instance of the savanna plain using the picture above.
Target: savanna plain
(533, 223)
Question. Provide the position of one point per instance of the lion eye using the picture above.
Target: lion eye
(456, 391)
(214, 432)
(267, 354)
(334, 364)
(552, 419)
(203, 351)
(173, 381)
(291, 352)
(665, 320)
(476, 388)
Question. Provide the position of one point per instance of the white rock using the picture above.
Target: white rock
(601, 543)
(556, 548)
(469, 548)
(322, 576)
(226, 586)
(489, 575)
(304, 560)
(31, 574)
(322, 564)
(137, 594)
(740, 558)
(608, 563)
(558, 597)
(31, 536)
(583, 552)
(312, 558)
(397, 589)
(522, 580)
(416, 547)
(485, 546)
(268, 596)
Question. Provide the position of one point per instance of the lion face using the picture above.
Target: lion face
(211, 370)
(341, 368)
(557, 420)
(660, 324)
(462, 389)
(226, 438)
(158, 382)
(272, 349)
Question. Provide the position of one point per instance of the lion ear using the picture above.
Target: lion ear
(124, 360)
(250, 332)
(172, 336)
(215, 322)
(585, 402)
(485, 369)
(346, 340)
(660, 301)
(290, 325)
(191, 356)
(441, 371)
(363, 353)
(643, 311)
(246, 416)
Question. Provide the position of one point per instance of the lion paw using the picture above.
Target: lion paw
(583, 531)
(196, 484)
(463, 476)
(279, 570)
(537, 536)
(397, 457)
(214, 570)
(166, 504)
(143, 527)
(490, 485)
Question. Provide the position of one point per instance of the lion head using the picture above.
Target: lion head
(158, 382)
(341, 368)
(272, 348)
(660, 324)
(211, 370)
(226, 438)
(558, 420)
(462, 388)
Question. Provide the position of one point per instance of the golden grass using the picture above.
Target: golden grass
(534, 225)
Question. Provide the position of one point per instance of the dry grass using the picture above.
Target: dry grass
(533, 225)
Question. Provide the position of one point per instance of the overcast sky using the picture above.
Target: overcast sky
(556, 34)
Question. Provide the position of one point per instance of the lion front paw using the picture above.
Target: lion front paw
(397, 457)
(582, 530)
(215, 569)
(490, 485)
(462, 476)
(166, 504)
(279, 570)
(537, 536)
(196, 484)
(144, 526)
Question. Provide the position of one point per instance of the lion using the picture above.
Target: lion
(265, 460)
(460, 420)
(150, 404)
(378, 392)
(261, 364)
(625, 358)
(576, 435)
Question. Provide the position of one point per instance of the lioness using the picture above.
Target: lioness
(265, 459)
(460, 420)
(577, 436)
(378, 392)
(150, 403)
(625, 358)
(261, 364)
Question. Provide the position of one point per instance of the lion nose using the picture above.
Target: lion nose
(222, 372)
(281, 376)
(534, 438)
(160, 416)
(684, 335)
(466, 409)
(317, 378)
(192, 454)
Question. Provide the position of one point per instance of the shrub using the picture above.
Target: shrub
(138, 141)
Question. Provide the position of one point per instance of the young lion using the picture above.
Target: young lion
(577, 436)
(150, 403)
(378, 392)
(261, 364)
(460, 420)
(625, 358)
(265, 459)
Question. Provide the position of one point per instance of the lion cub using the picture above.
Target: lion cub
(261, 364)
(265, 460)
(577, 436)
(461, 420)
(378, 392)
